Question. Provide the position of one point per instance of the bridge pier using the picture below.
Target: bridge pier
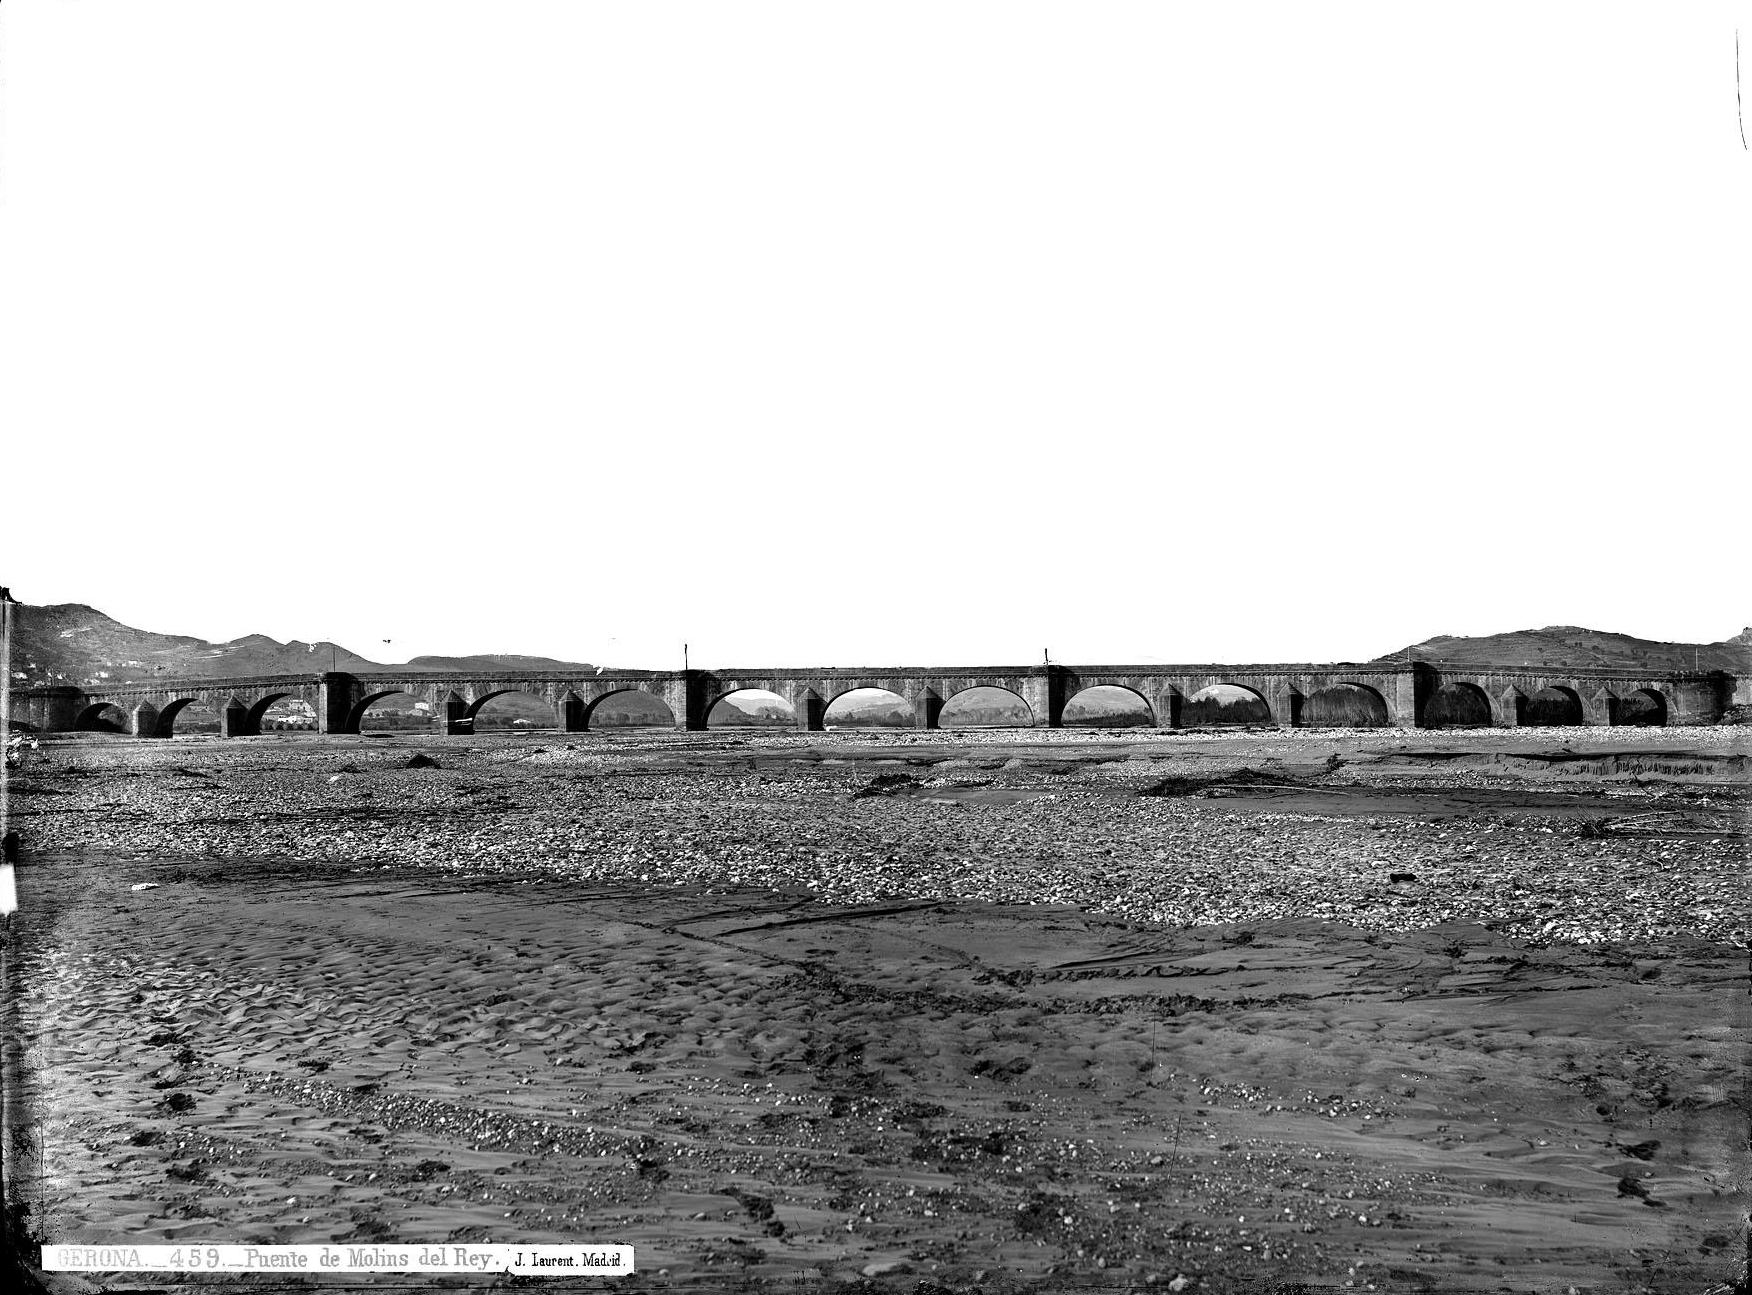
(233, 719)
(811, 711)
(685, 695)
(453, 713)
(1045, 696)
(927, 707)
(1406, 701)
(334, 703)
(571, 714)
(143, 722)
(1286, 709)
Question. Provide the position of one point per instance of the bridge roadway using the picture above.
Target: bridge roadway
(1399, 694)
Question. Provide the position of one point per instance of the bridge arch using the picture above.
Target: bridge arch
(256, 719)
(767, 700)
(867, 707)
(548, 720)
(1457, 705)
(1554, 705)
(1644, 708)
(1225, 703)
(1108, 705)
(596, 713)
(356, 713)
(257, 713)
(168, 713)
(101, 717)
(1346, 705)
(984, 698)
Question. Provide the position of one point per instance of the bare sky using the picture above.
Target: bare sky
(837, 334)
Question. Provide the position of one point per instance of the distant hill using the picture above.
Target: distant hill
(75, 644)
(1571, 646)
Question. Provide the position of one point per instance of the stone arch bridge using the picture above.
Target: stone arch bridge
(1399, 694)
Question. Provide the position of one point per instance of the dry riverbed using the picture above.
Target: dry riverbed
(913, 1012)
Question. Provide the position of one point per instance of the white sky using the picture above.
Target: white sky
(837, 334)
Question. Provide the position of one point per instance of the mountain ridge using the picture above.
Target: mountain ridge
(77, 644)
(1577, 647)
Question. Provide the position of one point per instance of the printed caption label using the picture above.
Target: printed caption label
(523, 1260)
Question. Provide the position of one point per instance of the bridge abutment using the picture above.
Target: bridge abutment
(49, 710)
(1701, 701)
